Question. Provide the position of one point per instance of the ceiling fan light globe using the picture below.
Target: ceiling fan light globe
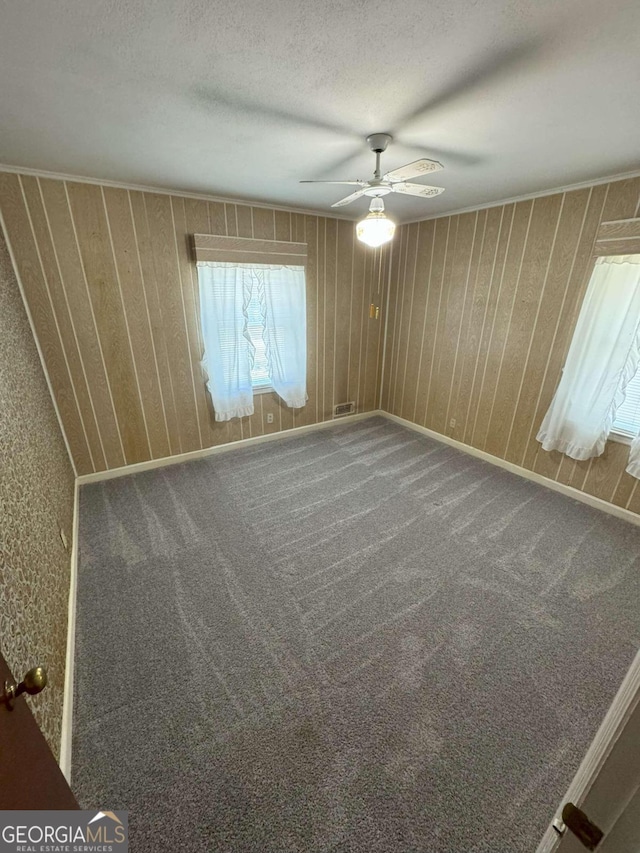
(375, 230)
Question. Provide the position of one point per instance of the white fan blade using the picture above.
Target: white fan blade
(416, 189)
(348, 183)
(412, 170)
(348, 199)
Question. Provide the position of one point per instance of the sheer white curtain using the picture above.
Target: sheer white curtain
(225, 290)
(603, 357)
(285, 332)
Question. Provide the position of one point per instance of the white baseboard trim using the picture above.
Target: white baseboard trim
(137, 467)
(67, 707)
(628, 696)
(569, 491)
(618, 714)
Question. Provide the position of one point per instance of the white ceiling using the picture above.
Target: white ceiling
(245, 99)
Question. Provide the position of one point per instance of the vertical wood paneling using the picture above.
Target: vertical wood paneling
(307, 228)
(544, 329)
(136, 311)
(329, 313)
(481, 309)
(357, 309)
(321, 289)
(301, 232)
(446, 324)
(470, 344)
(64, 238)
(368, 366)
(549, 464)
(342, 320)
(500, 328)
(244, 220)
(90, 223)
(402, 309)
(111, 283)
(20, 236)
(153, 295)
(488, 318)
(197, 221)
(191, 315)
(375, 330)
(170, 286)
(65, 327)
(424, 265)
(457, 283)
(408, 352)
(282, 224)
(435, 315)
(217, 218)
(263, 223)
(383, 285)
(484, 347)
(528, 290)
(220, 432)
(471, 281)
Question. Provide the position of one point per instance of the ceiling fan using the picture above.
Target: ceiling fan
(391, 182)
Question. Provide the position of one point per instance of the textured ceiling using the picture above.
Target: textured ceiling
(245, 99)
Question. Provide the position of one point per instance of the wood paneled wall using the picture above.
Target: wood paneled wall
(482, 310)
(110, 281)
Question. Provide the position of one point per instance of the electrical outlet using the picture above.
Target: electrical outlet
(452, 423)
(270, 418)
(65, 541)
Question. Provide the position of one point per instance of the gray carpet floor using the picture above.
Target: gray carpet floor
(358, 639)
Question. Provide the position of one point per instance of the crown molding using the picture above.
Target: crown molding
(104, 182)
(582, 185)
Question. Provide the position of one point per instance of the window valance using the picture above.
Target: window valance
(619, 237)
(247, 250)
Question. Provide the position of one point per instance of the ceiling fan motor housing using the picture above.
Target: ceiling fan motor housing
(378, 142)
(376, 192)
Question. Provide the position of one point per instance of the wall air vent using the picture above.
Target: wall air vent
(343, 409)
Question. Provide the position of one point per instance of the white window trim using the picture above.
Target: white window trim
(619, 438)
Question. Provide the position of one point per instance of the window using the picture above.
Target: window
(627, 422)
(253, 319)
(603, 363)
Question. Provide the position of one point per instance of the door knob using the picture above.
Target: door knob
(34, 682)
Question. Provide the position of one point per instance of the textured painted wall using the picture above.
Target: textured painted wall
(110, 282)
(482, 312)
(36, 500)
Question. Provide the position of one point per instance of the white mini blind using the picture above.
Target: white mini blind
(627, 420)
